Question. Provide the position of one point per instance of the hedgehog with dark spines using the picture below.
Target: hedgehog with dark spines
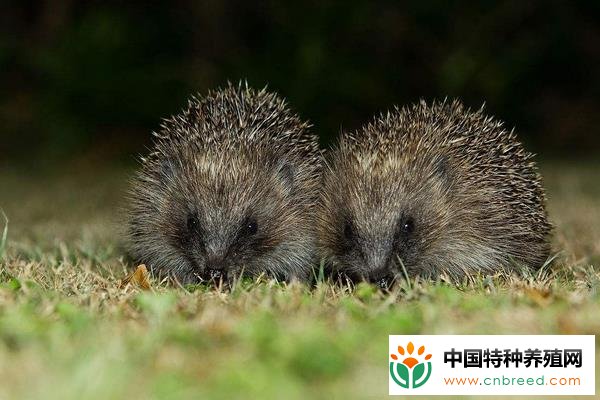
(431, 189)
(228, 189)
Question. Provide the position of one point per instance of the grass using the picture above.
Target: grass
(4, 236)
(69, 330)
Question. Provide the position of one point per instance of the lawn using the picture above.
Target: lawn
(69, 330)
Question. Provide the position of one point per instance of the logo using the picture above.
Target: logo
(491, 364)
(410, 371)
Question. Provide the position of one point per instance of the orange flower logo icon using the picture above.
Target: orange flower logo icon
(410, 370)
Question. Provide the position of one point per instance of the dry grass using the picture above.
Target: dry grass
(67, 329)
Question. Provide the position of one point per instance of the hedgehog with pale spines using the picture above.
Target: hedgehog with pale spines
(229, 188)
(429, 189)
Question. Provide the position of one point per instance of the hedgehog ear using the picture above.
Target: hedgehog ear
(287, 175)
(441, 166)
(167, 169)
(443, 170)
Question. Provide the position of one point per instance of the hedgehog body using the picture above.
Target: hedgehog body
(429, 189)
(228, 189)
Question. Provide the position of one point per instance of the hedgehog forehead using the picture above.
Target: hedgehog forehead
(378, 162)
(241, 186)
(369, 199)
(374, 171)
(230, 183)
(224, 165)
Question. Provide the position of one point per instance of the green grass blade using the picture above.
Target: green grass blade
(405, 273)
(4, 235)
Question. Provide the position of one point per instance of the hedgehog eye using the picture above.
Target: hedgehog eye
(193, 223)
(407, 226)
(250, 227)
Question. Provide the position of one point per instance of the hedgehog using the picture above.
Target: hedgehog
(228, 189)
(431, 190)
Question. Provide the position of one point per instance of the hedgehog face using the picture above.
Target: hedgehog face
(377, 217)
(373, 248)
(214, 225)
(217, 243)
(230, 186)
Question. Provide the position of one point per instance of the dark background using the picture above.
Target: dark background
(89, 80)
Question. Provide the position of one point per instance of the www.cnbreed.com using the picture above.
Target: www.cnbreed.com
(515, 381)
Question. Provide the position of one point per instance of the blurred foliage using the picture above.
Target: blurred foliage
(92, 79)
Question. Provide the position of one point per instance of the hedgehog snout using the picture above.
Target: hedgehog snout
(382, 276)
(377, 261)
(381, 267)
(376, 257)
(215, 262)
(214, 274)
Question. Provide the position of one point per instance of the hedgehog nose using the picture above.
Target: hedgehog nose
(384, 282)
(215, 267)
(215, 274)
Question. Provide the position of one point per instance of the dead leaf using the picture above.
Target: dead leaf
(139, 277)
(542, 298)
